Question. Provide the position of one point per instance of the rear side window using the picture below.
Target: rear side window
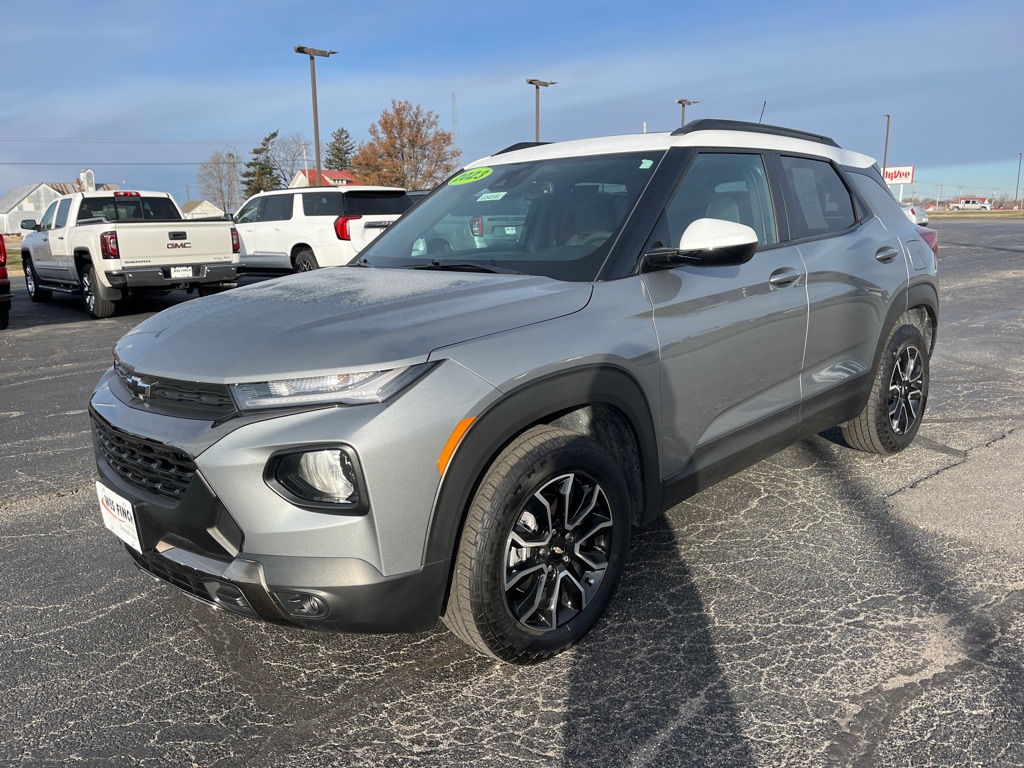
(62, 213)
(819, 203)
(277, 208)
(377, 203)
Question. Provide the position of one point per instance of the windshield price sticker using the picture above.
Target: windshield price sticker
(118, 516)
(491, 196)
(468, 177)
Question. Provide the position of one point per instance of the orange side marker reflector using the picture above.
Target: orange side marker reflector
(449, 447)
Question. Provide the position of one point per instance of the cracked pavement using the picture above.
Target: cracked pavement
(823, 607)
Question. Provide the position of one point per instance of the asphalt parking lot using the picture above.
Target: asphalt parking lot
(822, 608)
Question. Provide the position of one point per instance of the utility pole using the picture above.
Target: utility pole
(885, 152)
(684, 103)
(1017, 185)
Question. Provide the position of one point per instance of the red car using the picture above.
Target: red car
(5, 287)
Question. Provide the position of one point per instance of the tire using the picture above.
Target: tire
(305, 261)
(5, 318)
(894, 410)
(526, 584)
(96, 306)
(35, 293)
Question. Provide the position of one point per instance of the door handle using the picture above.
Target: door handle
(780, 278)
(46, 239)
(886, 254)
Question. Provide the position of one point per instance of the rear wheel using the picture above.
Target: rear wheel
(35, 293)
(5, 318)
(543, 545)
(305, 261)
(894, 411)
(95, 305)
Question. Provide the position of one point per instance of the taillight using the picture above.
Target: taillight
(476, 226)
(3, 252)
(341, 226)
(108, 246)
(235, 245)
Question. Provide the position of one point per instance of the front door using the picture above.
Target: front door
(731, 338)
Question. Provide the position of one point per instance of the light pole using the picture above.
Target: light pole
(684, 103)
(1016, 187)
(313, 52)
(885, 152)
(538, 84)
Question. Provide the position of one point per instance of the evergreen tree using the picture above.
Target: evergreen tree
(260, 173)
(339, 151)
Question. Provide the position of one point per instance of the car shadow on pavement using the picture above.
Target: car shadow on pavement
(951, 589)
(646, 686)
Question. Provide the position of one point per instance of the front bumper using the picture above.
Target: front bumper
(210, 524)
(160, 277)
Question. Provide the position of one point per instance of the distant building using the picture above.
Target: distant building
(307, 178)
(30, 201)
(200, 209)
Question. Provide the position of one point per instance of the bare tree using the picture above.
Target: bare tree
(290, 153)
(218, 180)
(406, 149)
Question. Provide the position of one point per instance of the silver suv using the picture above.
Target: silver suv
(469, 426)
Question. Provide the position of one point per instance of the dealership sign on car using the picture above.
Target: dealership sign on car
(899, 174)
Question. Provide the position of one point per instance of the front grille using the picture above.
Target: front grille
(188, 396)
(145, 464)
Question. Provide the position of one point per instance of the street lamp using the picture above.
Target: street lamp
(313, 52)
(538, 84)
(684, 103)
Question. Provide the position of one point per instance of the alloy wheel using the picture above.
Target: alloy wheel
(557, 552)
(906, 390)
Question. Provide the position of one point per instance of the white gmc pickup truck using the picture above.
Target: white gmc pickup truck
(106, 246)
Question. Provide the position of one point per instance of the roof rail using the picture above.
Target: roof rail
(522, 145)
(739, 125)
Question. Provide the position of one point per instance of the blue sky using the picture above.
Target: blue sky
(124, 86)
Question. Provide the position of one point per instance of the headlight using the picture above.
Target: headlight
(343, 388)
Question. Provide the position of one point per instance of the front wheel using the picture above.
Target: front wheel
(95, 305)
(894, 410)
(35, 293)
(543, 545)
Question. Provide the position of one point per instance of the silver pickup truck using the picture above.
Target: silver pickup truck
(106, 246)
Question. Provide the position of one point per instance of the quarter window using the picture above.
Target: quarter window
(818, 201)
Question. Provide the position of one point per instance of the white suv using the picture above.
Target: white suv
(309, 227)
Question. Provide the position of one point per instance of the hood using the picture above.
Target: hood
(345, 318)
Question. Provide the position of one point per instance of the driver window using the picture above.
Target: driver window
(248, 212)
(732, 187)
(48, 216)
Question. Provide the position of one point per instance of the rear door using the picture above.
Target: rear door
(274, 237)
(370, 212)
(855, 265)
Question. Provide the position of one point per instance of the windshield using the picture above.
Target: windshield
(555, 218)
